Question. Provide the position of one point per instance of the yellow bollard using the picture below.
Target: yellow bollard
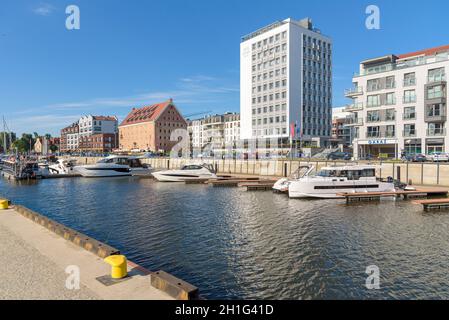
(4, 204)
(119, 266)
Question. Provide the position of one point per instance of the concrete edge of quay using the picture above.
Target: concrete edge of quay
(63, 246)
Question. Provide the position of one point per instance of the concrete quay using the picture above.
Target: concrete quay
(34, 261)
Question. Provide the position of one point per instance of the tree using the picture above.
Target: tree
(53, 148)
(47, 136)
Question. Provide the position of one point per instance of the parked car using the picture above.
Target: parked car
(419, 158)
(414, 157)
(339, 156)
(438, 157)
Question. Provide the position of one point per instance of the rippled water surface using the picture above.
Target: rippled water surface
(254, 245)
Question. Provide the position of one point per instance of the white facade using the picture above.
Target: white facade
(286, 82)
(89, 125)
(216, 131)
(399, 104)
(72, 141)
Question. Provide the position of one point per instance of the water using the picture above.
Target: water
(234, 244)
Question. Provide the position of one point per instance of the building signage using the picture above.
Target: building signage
(378, 141)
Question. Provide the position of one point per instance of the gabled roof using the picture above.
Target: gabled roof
(426, 52)
(146, 114)
(104, 118)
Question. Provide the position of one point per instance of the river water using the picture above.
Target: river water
(235, 244)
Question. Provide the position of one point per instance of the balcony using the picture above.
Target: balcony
(373, 135)
(411, 116)
(409, 133)
(410, 82)
(409, 99)
(390, 102)
(436, 132)
(352, 92)
(354, 107)
(435, 117)
(354, 122)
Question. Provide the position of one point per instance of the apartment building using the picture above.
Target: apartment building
(70, 138)
(150, 128)
(100, 142)
(286, 82)
(216, 131)
(91, 125)
(341, 133)
(399, 104)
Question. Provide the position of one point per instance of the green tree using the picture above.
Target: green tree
(53, 148)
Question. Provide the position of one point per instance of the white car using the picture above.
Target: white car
(438, 157)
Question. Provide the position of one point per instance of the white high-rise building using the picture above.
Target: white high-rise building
(399, 104)
(286, 82)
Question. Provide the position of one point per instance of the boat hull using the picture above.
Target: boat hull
(326, 190)
(173, 177)
(90, 172)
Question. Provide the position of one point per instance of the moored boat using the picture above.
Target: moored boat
(187, 172)
(332, 181)
(115, 166)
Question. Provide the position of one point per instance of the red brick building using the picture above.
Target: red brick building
(102, 142)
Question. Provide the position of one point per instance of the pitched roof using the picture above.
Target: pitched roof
(146, 114)
(104, 118)
(426, 52)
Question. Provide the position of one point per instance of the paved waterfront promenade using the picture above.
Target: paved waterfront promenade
(34, 261)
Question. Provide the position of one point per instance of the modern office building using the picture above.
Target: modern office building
(286, 82)
(399, 104)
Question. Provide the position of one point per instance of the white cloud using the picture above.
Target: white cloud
(44, 9)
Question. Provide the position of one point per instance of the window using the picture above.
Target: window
(409, 130)
(435, 92)
(390, 99)
(373, 101)
(390, 131)
(435, 129)
(390, 115)
(373, 132)
(436, 75)
(409, 96)
(409, 79)
(434, 110)
(390, 83)
(373, 116)
(409, 113)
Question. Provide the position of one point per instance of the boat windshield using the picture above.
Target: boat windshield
(192, 167)
(114, 160)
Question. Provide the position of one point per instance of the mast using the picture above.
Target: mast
(4, 135)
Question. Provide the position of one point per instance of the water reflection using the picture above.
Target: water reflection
(237, 244)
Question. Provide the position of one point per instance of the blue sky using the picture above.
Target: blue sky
(138, 52)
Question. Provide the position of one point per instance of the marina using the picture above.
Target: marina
(252, 245)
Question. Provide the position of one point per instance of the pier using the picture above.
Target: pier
(372, 196)
(40, 255)
(433, 204)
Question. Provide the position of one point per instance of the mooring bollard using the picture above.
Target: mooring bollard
(119, 268)
(4, 204)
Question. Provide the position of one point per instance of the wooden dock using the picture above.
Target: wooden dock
(433, 204)
(261, 186)
(405, 194)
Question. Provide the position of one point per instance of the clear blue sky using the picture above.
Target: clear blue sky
(137, 52)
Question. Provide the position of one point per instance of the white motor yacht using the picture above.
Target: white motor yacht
(188, 172)
(282, 184)
(115, 166)
(331, 181)
(62, 166)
